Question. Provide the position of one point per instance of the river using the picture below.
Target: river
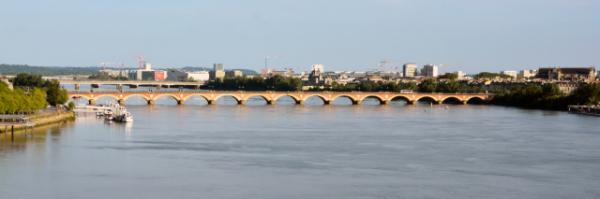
(288, 151)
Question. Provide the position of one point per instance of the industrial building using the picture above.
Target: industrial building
(567, 74)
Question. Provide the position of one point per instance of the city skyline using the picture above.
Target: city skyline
(463, 35)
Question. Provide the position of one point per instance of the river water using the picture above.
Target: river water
(287, 151)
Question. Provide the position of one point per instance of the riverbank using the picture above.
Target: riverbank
(38, 120)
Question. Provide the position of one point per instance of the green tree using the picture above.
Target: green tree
(428, 85)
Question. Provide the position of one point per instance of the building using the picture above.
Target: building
(288, 72)
(409, 70)
(139, 73)
(200, 76)
(316, 74)
(234, 73)
(218, 71)
(513, 74)
(115, 73)
(176, 75)
(151, 75)
(160, 75)
(430, 70)
(526, 74)
(460, 75)
(567, 74)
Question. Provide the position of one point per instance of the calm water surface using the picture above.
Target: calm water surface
(284, 151)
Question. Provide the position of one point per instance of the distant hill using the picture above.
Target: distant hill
(9, 69)
(13, 69)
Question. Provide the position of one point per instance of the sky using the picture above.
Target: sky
(467, 35)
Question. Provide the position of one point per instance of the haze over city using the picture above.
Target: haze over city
(463, 35)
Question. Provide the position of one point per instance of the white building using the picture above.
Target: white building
(318, 68)
(430, 70)
(526, 74)
(409, 70)
(460, 75)
(510, 73)
(200, 76)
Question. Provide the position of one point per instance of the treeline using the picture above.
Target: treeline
(280, 83)
(277, 83)
(21, 101)
(547, 96)
(10, 69)
(428, 86)
(54, 93)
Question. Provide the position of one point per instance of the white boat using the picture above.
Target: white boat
(123, 117)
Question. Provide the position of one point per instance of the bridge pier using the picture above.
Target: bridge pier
(384, 102)
(179, 102)
(327, 102)
(355, 102)
(150, 102)
(241, 102)
(411, 102)
(209, 102)
(299, 102)
(121, 102)
(270, 102)
(92, 102)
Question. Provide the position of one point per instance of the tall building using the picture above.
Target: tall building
(218, 71)
(409, 70)
(217, 66)
(316, 75)
(318, 67)
(430, 70)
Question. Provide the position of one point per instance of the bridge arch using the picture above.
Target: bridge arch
(427, 97)
(172, 96)
(111, 98)
(378, 98)
(236, 98)
(352, 99)
(256, 96)
(278, 97)
(127, 97)
(257, 99)
(323, 98)
(185, 98)
(402, 97)
(475, 100)
(451, 100)
(79, 96)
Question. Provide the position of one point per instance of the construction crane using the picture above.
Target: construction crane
(386, 66)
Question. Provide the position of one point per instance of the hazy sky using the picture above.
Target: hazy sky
(469, 35)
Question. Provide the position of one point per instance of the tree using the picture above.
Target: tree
(428, 85)
(54, 94)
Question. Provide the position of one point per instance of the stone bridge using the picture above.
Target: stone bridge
(272, 96)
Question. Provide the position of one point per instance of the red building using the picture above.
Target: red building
(160, 75)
